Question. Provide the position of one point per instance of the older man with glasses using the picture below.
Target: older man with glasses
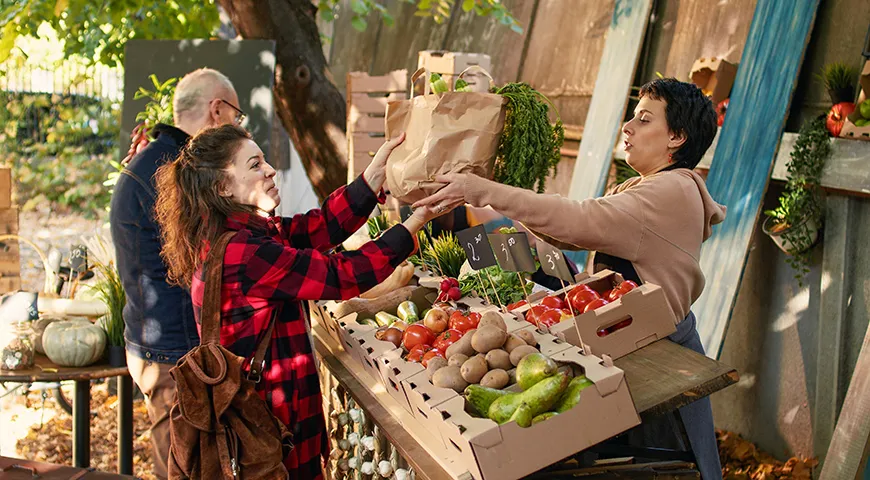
(160, 326)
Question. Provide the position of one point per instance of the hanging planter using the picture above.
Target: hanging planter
(793, 239)
(794, 225)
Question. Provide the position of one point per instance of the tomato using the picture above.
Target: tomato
(582, 298)
(602, 332)
(474, 318)
(553, 302)
(612, 295)
(417, 334)
(550, 318)
(626, 286)
(517, 305)
(460, 322)
(447, 338)
(598, 302)
(534, 315)
(417, 352)
(430, 355)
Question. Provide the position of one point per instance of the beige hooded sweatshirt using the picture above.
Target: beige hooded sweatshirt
(657, 222)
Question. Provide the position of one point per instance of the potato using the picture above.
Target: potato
(449, 377)
(457, 360)
(487, 338)
(462, 346)
(513, 341)
(497, 378)
(473, 369)
(494, 319)
(528, 336)
(512, 376)
(520, 352)
(498, 358)
(435, 364)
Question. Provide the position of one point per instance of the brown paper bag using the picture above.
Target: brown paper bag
(452, 132)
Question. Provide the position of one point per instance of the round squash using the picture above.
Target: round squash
(39, 328)
(73, 343)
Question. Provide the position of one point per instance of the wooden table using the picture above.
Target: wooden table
(45, 370)
(662, 377)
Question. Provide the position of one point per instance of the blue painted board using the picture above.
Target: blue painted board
(609, 99)
(746, 151)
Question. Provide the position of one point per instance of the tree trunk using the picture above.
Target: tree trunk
(311, 108)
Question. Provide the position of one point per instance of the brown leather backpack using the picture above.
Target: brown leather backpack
(219, 426)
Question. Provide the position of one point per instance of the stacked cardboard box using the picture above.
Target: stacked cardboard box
(450, 64)
(10, 266)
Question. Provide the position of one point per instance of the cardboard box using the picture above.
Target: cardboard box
(633, 321)
(489, 451)
(450, 64)
(423, 398)
(350, 334)
(393, 371)
(319, 316)
(850, 130)
(714, 76)
(5, 187)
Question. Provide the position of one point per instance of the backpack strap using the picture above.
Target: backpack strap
(211, 307)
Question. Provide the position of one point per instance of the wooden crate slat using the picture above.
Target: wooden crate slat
(5, 187)
(9, 284)
(395, 81)
(364, 143)
(364, 103)
(365, 124)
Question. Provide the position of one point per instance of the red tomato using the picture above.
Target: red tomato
(582, 298)
(535, 314)
(417, 334)
(417, 352)
(598, 302)
(430, 355)
(612, 295)
(474, 318)
(460, 322)
(517, 305)
(626, 286)
(447, 338)
(550, 318)
(553, 302)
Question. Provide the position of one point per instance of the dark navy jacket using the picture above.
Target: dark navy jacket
(158, 316)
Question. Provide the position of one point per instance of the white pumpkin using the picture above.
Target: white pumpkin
(74, 343)
(39, 328)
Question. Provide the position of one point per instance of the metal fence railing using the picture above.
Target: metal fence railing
(69, 78)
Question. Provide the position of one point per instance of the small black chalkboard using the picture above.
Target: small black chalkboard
(78, 261)
(553, 262)
(477, 248)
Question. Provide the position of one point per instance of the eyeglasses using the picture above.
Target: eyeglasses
(240, 115)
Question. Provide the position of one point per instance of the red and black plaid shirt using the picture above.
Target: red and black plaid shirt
(275, 264)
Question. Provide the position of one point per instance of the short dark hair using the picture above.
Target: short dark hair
(688, 112)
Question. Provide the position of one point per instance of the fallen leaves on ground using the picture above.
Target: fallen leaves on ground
(52, 441)
(742, 460)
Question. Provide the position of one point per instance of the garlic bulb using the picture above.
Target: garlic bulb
(342, 465)
(368, 442)
(353, 438)
(343, 419)
(336, 453)
(402, 474)
(385, 468)
(344, 444)
(355, 414)
(354, 462)
(367, 468)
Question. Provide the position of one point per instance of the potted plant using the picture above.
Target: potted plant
(839, 80)
(111, 292)
(794, 225)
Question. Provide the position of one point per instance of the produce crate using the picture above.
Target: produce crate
(10, 260)
(489, 451)
(393, 371)
(633, 321)
(350, 333)
(850, 130)
(450, 64)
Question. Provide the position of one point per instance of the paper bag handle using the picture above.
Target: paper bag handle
(427, 86)
(476, 67)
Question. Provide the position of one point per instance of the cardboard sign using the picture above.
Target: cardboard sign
(477, 248)
(19, 307)
(513, 252)
(553, 262)
(78, 261)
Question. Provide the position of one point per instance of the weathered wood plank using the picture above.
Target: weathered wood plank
(393, 82)
(5, 187)
(398, 45)
(475, 34)
(744, 159)
(850, 446)
(376, 102)
(664, 376)
(832, 320)
(708, 29)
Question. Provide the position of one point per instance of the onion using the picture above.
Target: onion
(394, 336)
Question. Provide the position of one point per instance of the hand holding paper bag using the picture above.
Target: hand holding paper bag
(454, 132)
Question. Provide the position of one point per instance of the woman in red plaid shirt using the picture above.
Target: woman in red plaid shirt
(221, 182)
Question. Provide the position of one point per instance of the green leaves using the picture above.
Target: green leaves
(530, 145)
(159, 109)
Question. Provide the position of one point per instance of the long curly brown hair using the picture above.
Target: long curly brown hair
(190, 210)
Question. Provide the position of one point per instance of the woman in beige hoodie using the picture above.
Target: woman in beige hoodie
(649, 228)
